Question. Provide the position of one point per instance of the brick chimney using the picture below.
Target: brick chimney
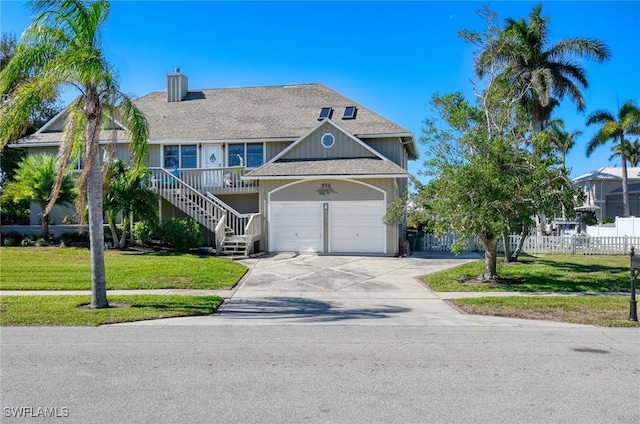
(177, 86)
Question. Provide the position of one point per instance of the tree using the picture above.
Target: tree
(127, 194)
(11, 157)
(562, 141)
(62, 48)
(485, 175)
(630, 150)
(616, 130)
(34, 182)
(545, 72)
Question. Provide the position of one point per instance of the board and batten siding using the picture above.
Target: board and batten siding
(391, 148)
(155, 155)
(312, 148)
(389, 185)
(272, 148)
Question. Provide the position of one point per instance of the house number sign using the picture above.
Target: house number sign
(325, 189)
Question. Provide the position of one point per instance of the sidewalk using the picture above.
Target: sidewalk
(228, 294)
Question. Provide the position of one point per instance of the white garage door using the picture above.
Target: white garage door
(357, 227)
(295, 227)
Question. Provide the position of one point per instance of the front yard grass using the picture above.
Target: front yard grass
(576, 274)
(69, 310)
(540, 273)
(67, 268)
(605, 311)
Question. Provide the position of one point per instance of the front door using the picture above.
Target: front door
(212, 158)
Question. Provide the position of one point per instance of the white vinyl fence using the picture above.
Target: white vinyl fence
(581, 244)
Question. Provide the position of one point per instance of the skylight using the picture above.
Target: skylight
(325, 113)
(349, 112)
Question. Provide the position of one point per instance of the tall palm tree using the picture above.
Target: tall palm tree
(62, 48)
(616, 129)
(630, 149)
(562, 141)
(34, 181)
(538, 71)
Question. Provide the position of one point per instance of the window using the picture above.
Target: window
(325, 112)
(250, 155)
(349, 112)
(328, 140)
(184, 156)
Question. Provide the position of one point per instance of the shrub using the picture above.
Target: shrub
(41, 242)
(8, 241)
(182, 234)
(26, 242)
(14, 236)
(144, 232)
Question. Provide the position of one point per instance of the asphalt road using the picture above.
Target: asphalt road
(340, 373)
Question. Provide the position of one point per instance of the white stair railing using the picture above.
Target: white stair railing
(186, 198)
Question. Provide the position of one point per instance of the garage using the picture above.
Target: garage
(295, 227)
(335, 227)
(357, 227)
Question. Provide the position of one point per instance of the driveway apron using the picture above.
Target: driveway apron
(282, 289)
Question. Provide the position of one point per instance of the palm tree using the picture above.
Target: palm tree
(542, 74)
(127, 194)
(616, 129)
(562, 141)
(34, 181)
(62, 48)
(630, 149)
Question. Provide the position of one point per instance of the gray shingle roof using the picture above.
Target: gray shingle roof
(346, 167)
(267, 112)
(254, 112)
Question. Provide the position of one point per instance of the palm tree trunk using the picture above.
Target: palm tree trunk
(94, 201)
(114, 231)
(44, 224)
(625, 187)
(122, 243)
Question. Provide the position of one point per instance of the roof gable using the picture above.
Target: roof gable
(310, 146)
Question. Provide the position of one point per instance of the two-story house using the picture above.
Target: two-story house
(277, 168)
(603, 191)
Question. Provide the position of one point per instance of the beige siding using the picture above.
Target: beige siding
(273, 148)
(344, 146)
(242, 203)
(155, 156)
(33, 151)
(391, 148)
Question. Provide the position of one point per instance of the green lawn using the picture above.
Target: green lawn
(67, 268)
(572, 273)
(69, 310)
(606, 311)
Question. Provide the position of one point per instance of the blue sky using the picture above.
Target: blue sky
(389, 56)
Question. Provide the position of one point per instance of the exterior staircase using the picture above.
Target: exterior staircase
(235, 233)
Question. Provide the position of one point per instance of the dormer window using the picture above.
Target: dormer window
(350, 112)
(325, 113)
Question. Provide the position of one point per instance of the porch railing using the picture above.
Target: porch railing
(217, 180)
(238, 222)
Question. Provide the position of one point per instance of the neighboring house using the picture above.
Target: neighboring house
(603, 191)
(279, 168)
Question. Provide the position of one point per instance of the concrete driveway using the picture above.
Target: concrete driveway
(346, 290)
